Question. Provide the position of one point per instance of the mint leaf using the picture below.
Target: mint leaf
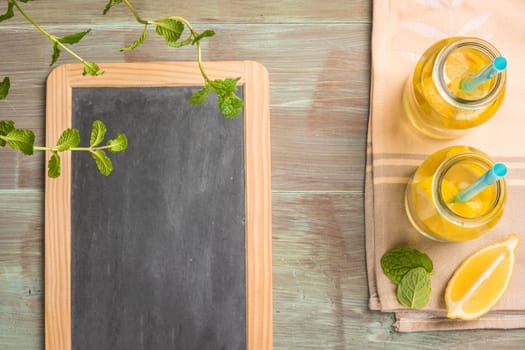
(206, 34)
(98, 131)
(68, 39)
(91, 68)
(73, 38)
(56, 53)
(170, 29)
(230, 106)
(118, 144)
(110, 4)
(69, 138)
(229, 103)
(9, 13)
(22, 140)
(398, 261)
(414, 288)
(104, 164)
(53, 166)
(6, 126)
(4, 88)
(230, 85)
(137, 42)
(178, 44)
(200, 96)
(226, 86)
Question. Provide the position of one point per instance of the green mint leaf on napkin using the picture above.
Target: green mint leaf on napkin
(4, 88)
(410, 270)
(398, 261)
(70, 138)
(414, 289)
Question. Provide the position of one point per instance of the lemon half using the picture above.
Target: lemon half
(481, 280)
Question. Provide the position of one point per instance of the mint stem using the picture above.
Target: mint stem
(55, 149)
(47, 34)
(135, 13)
(190, 28)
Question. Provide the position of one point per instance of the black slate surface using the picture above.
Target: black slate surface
(158, 249)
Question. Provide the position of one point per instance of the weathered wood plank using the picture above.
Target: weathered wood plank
(318, 253)
(21, 270)
(86, 13)
(320, 286)
(318, 94)
(319, 99)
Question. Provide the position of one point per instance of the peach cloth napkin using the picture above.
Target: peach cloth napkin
(402, 30)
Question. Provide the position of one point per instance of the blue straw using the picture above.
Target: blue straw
(497, 171)
(499, 64)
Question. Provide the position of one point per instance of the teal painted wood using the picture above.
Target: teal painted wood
(86, 13)
(317, 53)
(21, 269)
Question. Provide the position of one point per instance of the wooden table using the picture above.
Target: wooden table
(318, 56)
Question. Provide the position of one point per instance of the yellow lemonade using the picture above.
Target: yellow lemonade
(433, 100)
(430, 195)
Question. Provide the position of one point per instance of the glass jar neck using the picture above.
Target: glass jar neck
(468, 160)
(439, 73)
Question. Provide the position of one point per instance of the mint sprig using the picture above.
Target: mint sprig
(414, 289)
(68, 39)
(23, 140)
(173, 29)
(410, 270)
(70, 139)
(58, 43)
(229, 103)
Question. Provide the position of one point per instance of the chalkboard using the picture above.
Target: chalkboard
(173, 249)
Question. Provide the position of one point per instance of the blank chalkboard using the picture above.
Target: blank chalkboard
(173, 249)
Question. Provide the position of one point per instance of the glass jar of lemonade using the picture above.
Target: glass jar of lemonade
(430, 197)
(434, 100)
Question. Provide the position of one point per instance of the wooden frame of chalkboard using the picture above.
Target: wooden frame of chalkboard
(254, 82)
